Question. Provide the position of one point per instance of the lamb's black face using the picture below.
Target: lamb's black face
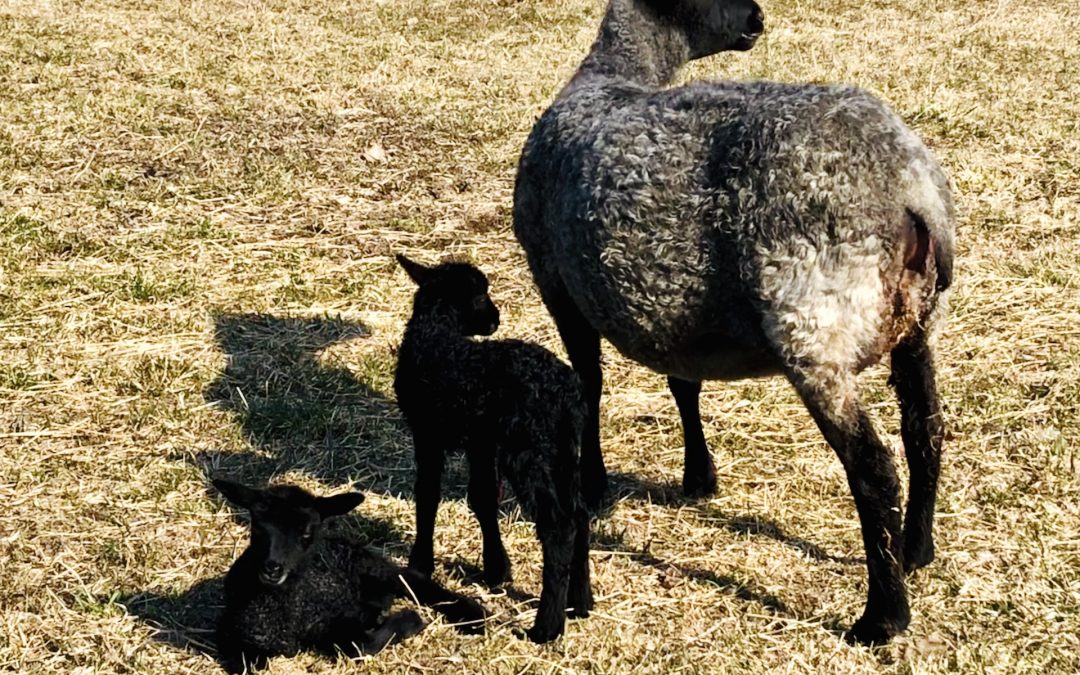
(466, 288)
(285, 522)
(719, 25)
(460, 286)
(282, 534)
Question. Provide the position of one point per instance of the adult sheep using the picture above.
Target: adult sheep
(723, 230)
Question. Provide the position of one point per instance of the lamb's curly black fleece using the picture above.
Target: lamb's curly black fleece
(517, 412)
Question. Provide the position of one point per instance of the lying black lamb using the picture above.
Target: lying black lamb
(293, 589)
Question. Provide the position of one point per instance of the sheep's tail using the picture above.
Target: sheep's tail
(925, 237)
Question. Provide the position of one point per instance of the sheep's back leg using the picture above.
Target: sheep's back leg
(582, 343)
(699, 473)
(922, 429)
(832, 399)
(484, 502)
(429, 468)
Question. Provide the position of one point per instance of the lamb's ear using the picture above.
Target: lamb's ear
(338, 505)
(416, 271)
(238, 494)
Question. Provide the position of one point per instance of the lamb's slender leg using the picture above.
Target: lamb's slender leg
(579, 596)
(699, 473)
(922, 429)
(582, 343)
(557, 542)
(834, 404)
(484, 502)
(429, 468)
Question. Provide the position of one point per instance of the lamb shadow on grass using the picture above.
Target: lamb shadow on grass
(185, 620)
(627, 486)
(302, 414)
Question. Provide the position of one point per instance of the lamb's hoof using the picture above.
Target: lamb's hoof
(576, 612)
(699, 485)
(406, 624)
(593, 492)
(918, 557)
(873, 631)
(542, 634)
(580, 604)
(497, 571)
(424, 564)
(470, 618)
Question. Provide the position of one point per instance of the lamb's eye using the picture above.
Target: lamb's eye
(479, 302)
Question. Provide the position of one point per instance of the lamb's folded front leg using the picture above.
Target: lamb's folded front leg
(466, 614)
(394, 629)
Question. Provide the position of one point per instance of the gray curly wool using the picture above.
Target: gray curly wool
(722, 230)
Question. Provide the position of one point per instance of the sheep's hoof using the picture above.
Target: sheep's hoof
(541, 634)
(699, 484)
(918, 557)
(873, 631)
(496, 571)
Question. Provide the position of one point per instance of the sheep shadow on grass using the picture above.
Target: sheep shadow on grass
(636, 488)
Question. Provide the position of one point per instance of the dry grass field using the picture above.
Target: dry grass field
(198, 206)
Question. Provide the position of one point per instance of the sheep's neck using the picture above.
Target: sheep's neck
(634, 46)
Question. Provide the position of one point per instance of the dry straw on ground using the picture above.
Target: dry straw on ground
(197, 206)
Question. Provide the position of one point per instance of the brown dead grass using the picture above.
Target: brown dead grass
(197, 204)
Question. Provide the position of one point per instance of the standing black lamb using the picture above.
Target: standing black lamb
(517, 411)
(294, 589)
(723, 230)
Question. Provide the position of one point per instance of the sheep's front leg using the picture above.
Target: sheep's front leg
(833, 402)
(429, 467)
(582, 343)
(922, 429)
(484, 502)
(699, 473)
